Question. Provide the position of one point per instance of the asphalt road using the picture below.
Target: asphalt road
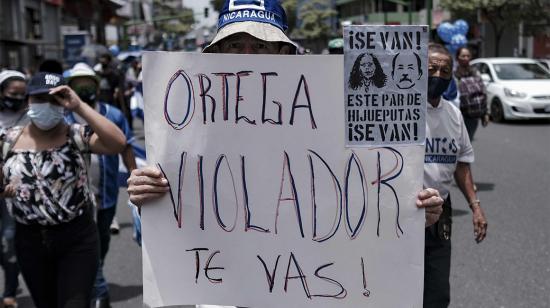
(511, 268)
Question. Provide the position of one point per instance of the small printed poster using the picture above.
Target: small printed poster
(386, 81)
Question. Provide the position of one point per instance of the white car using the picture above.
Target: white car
(517, 88)
(545, 63)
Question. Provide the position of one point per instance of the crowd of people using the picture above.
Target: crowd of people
(62, 133)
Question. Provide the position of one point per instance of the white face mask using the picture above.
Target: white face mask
(45, 115)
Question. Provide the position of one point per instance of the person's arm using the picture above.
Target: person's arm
(128, 158)
(464, 180)
(107, 138)
(7, 191)
(486, 117)
(485, 120)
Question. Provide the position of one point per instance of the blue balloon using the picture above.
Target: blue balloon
(115, 50)
(461, 27)
(446, 31)
(451, 49)
(457, 41)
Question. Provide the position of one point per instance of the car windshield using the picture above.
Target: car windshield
(521, 71)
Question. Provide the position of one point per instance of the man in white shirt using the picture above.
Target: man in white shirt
(449, 154)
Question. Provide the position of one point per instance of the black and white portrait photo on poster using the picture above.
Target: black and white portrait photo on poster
(385, 84)
(367, 71)
(404, 72)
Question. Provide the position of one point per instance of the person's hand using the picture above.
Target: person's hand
(146, 184)
(66, 97)
(9, 191)
(485, 120)
(430, 200)
(480, 224)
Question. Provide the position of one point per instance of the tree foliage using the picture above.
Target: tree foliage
(314, 17)
(502, 14)
(171, 19)
(290, 7)
(217, 4)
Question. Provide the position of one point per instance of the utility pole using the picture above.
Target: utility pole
(429, 17)
(410, 5)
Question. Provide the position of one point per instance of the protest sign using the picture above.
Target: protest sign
(267, 207)
(386, 84)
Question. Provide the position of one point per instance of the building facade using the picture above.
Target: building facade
(29, 32)
(390, 12)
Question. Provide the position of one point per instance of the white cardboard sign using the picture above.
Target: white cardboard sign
(268, 208)
(386, 83)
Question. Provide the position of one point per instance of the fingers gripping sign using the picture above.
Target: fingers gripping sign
(146, 184)
(430, 200)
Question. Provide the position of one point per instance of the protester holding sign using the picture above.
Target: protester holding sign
(151, 183)
(247, 35)
(45, 181)
(449, 154)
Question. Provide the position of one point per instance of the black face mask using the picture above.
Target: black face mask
(436, 86)
(12, 103)
(87, 95)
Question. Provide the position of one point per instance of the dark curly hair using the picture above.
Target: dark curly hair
(5, 84)
(356, 78)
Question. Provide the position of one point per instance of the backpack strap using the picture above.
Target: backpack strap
(75, 135)
(10, 138)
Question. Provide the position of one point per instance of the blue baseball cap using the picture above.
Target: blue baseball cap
(263, 19)
(43, 82)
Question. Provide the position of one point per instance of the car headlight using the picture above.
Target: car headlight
(514, 93)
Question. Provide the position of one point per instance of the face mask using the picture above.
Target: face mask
(12, 103)
(87, 95)
(436, 86)
(45, 115)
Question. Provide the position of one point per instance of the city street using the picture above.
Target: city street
(257, 84)
(509, 269)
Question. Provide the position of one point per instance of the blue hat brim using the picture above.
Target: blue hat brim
(39, 91)
(262, 31)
